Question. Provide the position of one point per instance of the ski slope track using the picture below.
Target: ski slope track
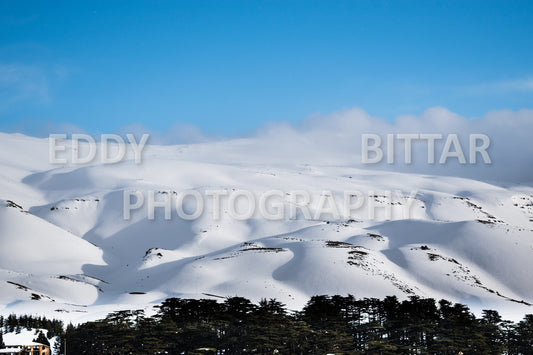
(67, 252)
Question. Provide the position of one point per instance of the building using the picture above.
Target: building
(24, 342)
(30, 349)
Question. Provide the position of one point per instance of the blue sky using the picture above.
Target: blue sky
(229, 67)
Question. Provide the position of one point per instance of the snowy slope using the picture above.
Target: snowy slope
(66, 250)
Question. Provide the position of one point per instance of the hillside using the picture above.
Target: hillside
(67, 251)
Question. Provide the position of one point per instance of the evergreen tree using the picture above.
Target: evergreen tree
(41, 339)
(336, 324)
(492, 332)
(58, 347)
(524, 334)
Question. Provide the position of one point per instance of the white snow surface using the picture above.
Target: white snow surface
(66, 251)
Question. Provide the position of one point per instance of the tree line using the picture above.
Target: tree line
(326, 325)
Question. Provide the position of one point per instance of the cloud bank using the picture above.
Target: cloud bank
(336, 138)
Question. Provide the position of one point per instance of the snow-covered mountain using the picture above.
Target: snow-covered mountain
(66, 249)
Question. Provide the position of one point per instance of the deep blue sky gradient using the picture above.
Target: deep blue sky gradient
(230, 66)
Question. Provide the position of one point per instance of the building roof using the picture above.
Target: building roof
(31, 343)
(24, 337)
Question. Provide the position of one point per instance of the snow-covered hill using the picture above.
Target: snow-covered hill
(67, 251)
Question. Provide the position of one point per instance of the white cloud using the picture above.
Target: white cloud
(20, 82)
(517, 85)
(177, 134)
(502, 87)
(336, 139)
